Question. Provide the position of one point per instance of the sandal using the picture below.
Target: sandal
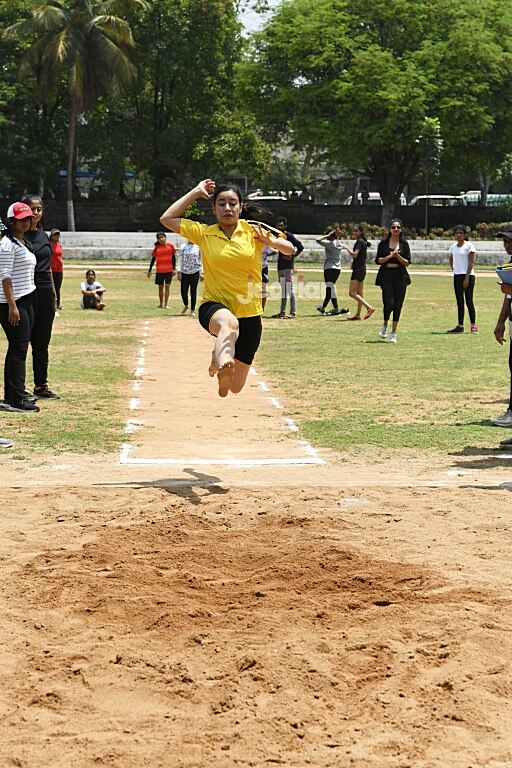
(369, 313)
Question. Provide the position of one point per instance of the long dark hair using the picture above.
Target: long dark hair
(363, 234)
(29, 199)
(249, 209)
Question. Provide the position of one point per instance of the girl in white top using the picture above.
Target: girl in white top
(17, 286)
(462, 258)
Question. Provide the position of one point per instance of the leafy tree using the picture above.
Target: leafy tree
(356, 80)
(184, 115)
(87, 44)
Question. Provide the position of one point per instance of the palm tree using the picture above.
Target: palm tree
(84, 42)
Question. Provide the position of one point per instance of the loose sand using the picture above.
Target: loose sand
(212, 596)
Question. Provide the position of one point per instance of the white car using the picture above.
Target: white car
(439, 201)
(374, 198)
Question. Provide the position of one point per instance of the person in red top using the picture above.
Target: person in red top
(56, 264)
(164, 254)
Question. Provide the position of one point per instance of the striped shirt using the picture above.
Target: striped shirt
(18, 264)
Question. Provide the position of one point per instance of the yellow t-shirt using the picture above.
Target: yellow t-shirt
(232, 268)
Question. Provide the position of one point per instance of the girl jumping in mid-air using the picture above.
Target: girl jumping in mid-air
(231, 309)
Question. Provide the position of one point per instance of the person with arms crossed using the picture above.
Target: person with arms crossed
(17, 293)
(231, 248)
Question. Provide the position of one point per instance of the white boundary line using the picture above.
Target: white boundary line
(191, 462)
(132, 425)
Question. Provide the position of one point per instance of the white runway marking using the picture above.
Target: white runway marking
(132, 426)
(191, 462)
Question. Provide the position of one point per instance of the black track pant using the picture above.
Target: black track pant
(189, 283)
(467, 294)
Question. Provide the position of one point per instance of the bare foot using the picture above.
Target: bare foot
(212, 370)
(225, 378)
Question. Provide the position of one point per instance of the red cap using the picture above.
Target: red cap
(19, 211)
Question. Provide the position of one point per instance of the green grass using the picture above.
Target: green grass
(346, 389)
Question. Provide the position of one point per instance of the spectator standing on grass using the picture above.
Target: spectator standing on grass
(231, 248)
(164, 254)
(462, 258)
(505, 420)
(57, 265)
(45, 300)
(92, 292)
(359, 253)
(393, 256)
(266, 252)
(5, 442)
(17, 293)
(189, 270)
(285, 271)
(332, 246)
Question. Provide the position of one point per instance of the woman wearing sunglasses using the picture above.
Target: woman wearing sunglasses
(393, 256)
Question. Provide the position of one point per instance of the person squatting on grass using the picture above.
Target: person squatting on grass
(394, 256)
(189, 271)
(164, 254)
(505, 420)
(17, 292)
(231, 309)
(45, 299)
(462, 258)
(332, 268)
(92, 292)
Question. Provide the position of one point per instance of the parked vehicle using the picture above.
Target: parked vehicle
(374, 198)
(438, 201)
(474, 197)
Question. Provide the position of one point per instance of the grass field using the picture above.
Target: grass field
(347, 390)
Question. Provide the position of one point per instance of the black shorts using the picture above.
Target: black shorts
(358, 274)
(249, 331)
(163, 277)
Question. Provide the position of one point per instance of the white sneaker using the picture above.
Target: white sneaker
(392, 337)
(383, 332)
(505, 420)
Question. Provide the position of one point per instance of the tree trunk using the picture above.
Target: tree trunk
(388, 211)
(69, 170)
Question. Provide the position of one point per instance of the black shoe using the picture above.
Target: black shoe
(24, 405)
(45, 392)
(333, 312)
(321, 310)
(344, 311)
(30, 396)
(457, 329)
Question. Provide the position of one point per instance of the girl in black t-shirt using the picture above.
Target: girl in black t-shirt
(359, 254)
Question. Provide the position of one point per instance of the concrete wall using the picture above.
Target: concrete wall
(92, 247)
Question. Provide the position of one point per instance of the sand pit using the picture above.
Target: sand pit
(168, 613)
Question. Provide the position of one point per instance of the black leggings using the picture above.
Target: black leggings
(57, 281)
(44, 313)
(462, 293)
(18, 337)
(393, 292)
(510, 368)
(330, 278)
(189, 282)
